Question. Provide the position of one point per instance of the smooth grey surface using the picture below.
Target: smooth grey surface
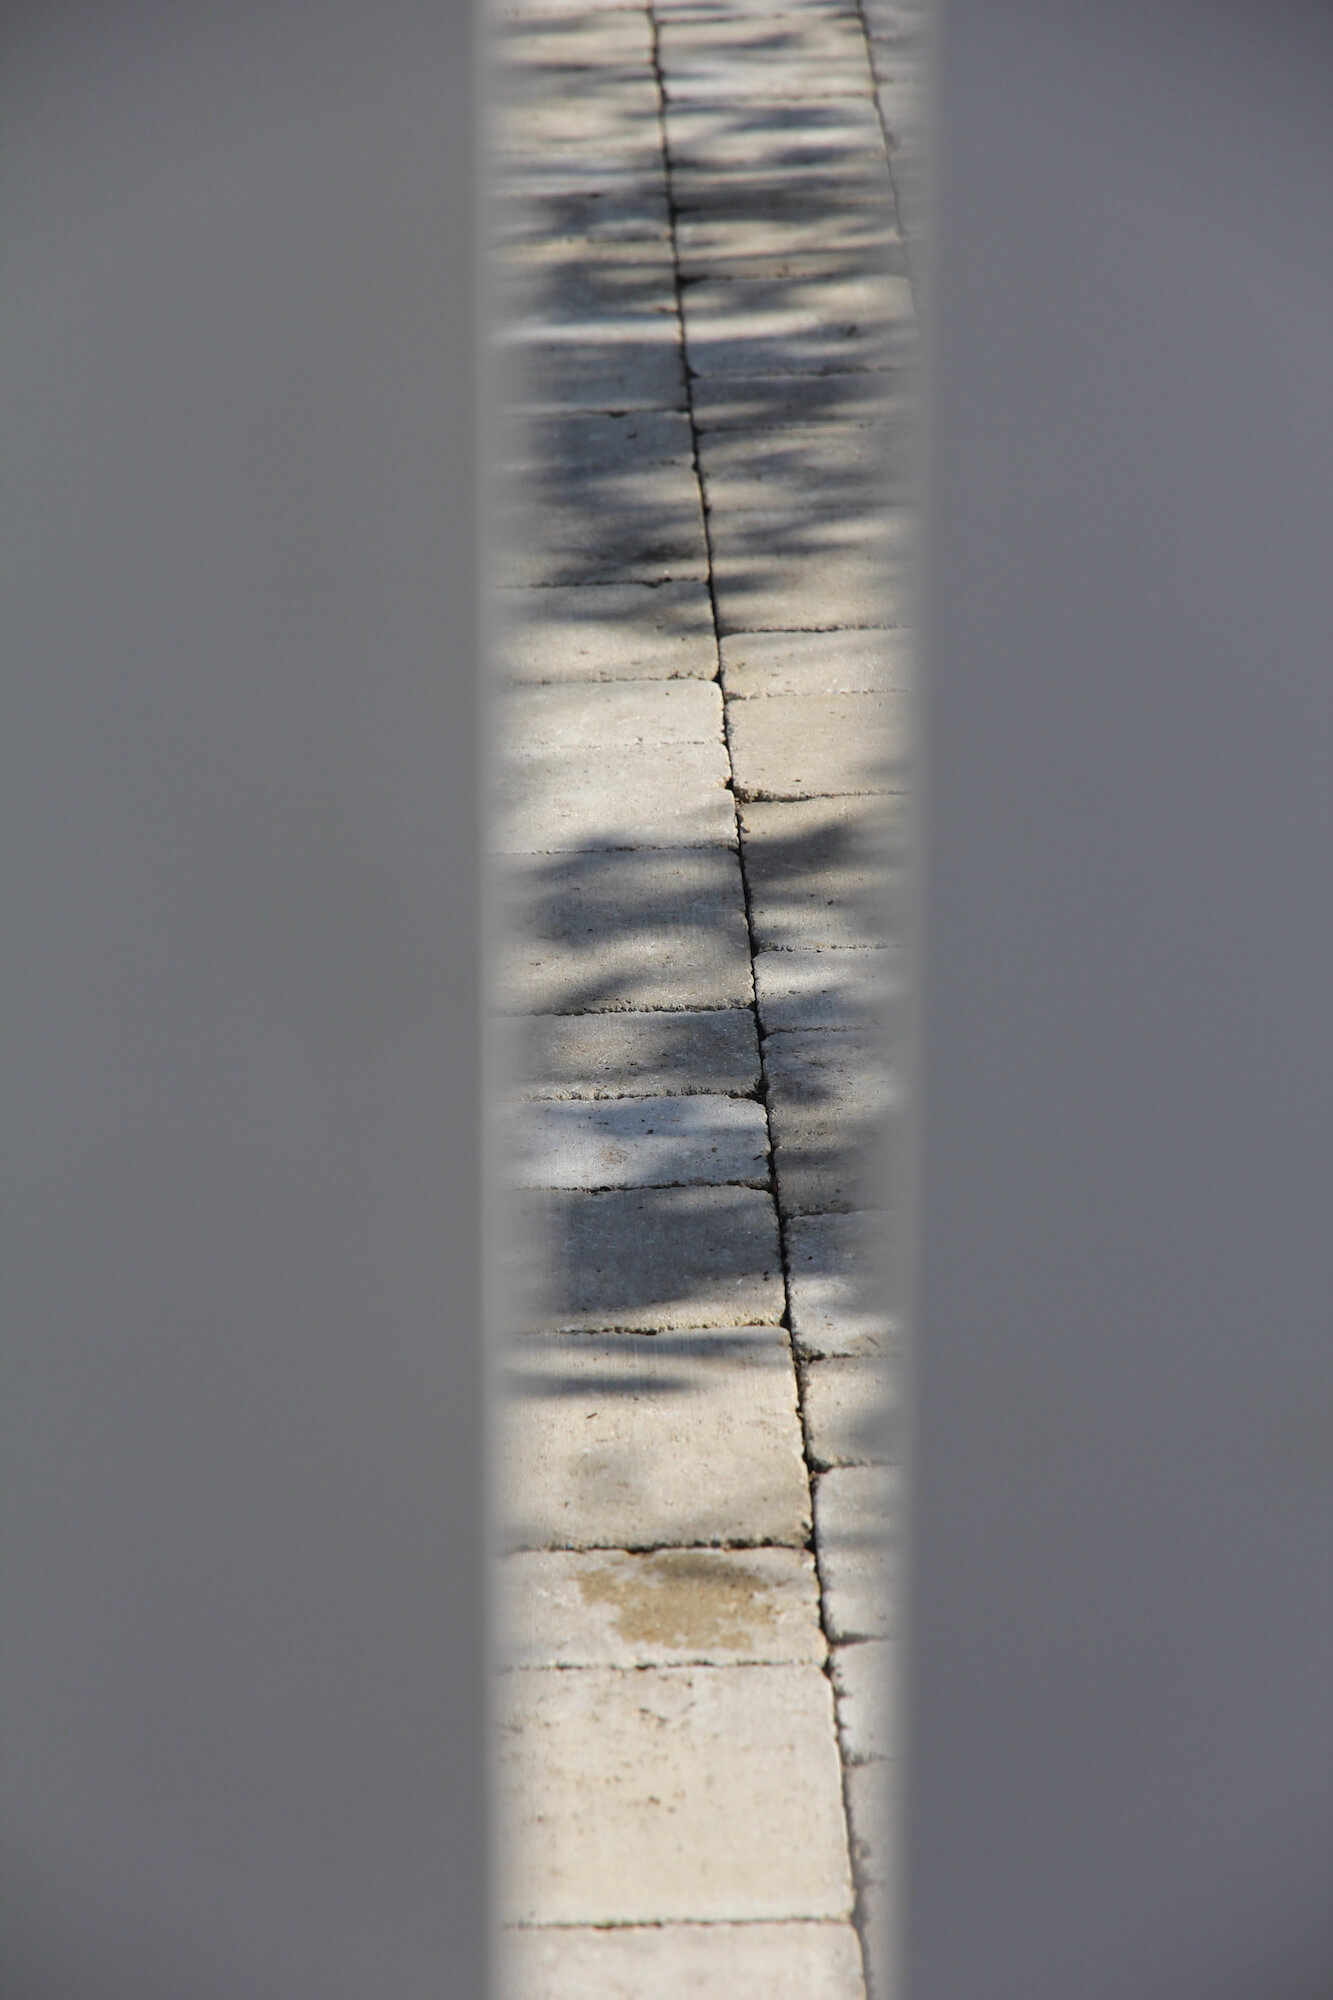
(1121, 1607)
(242, 1572)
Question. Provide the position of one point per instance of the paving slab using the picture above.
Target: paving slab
(661, 1607)
(802, 746)
(757, 1961)
(828, 1095)
(671, 1793)
(796, 55)
(638, 1441)
(624, 930)
(870, 1813)
(856, 1515)
(813, 467)
(864, 1694)
(607, 632)
(838, 1298)
(816, 663)
(549, 110)
(776, 401)
(852, 1408)
(573, 450)
(726, 236)
(658, 1258)
(821, 871)
(590, 325)
(568, 195)
(641, 525)
(792, 571)
(642, 1142)
(636, 1055)
(803, 319)
(602, 39)
(639, 795)
(787, 138)
(834, 986)
(611, 715)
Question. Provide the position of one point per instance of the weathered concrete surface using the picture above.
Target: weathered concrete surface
(852, 1413)
(829, 1096)
(658, 1258)
(855, 1542)
(836, 987)
(672, 1793)
(666, 1608)
(634, 1441)
(755, 1961)
(864, 1695)
(613, 716)
(626, 930)
(835, 1285)
(607, 631)
(652, 1142)
(790, 570)
(636, 1055)
(821, 871)
(640, 795)
(799, 55)
(815, 663)
(801, 746)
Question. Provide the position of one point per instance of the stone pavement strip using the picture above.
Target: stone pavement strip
(705, 276)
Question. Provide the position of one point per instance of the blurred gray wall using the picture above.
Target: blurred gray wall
(1121, 1631)
(242, 1636)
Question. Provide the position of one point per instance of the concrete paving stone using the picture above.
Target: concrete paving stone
(639, 795)
(802, 746)
(642, 1142)
(612, 714)
(671, 1794)
(837, 1291)
(636, 1441)
(657, 1259)
(801, 469)
(796, 55)
(601, 39)
(780, 137)
(804, 319)
(852, 1412)
(836, 986)
(870, 1813)
(791, 572)
(659, 928)
(776, 228)
(565, 195)
(537, 10)
(662, 1608)
(563, 109)
(856, 1512)
(590, 325)
(774, 402)
(816, 663)
(608, 632)
(782, 1961)
(863, 1693)
(770, 188)
(637, 1055)
(580, 449)
(822, 871)
(829, 1095)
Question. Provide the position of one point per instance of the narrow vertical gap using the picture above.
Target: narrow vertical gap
(859, 1917)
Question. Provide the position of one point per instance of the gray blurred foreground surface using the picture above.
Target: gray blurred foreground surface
(242, 1677)
(1121, 1607)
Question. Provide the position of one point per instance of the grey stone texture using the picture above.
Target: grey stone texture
(607, 632)
(664, 1607)
(702, 647)
(636, 1055)
(829, 1096)
(652, 1258)
(836, 1285)
(672, 1793)
(753, 1961)
(639, 1441)
(642, 1142)
(856, 1530)
(625, 930)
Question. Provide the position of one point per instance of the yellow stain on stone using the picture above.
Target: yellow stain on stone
(682, 1598)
